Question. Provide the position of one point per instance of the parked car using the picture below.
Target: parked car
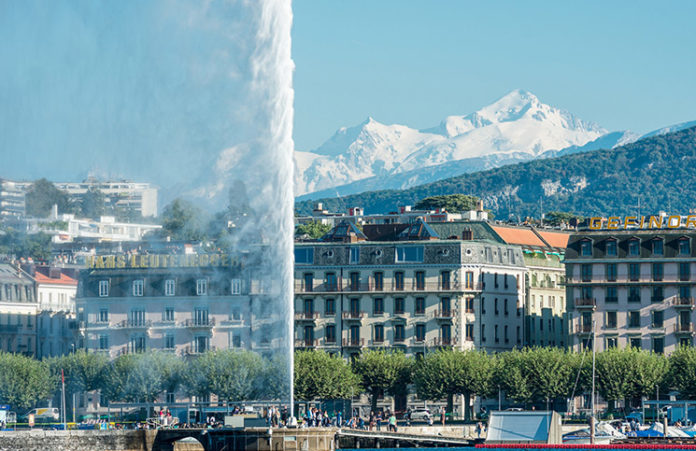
(420, 414)
(43, 415)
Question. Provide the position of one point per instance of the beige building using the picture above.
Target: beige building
(632, 288)
(18, 309)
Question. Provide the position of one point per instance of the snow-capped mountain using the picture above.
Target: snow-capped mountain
(515, 128)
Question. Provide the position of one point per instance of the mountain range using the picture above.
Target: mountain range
(517, 127)
(650, 175)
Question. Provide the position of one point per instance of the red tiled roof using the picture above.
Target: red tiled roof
(515, 235)
(555, 239)
(64, 280)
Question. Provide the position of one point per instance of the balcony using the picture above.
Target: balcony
(192, 350)
(399, 341)
(444, 314)
(306, 343)
(679, 302)
(196, 323)
(134, 324)
(366, 287)
(328, 342)
(354, 316)
(684, 328)
(353, 342)
(444, 341)
(418, 341)
(306, 316)
(585, 329)
(586, 303)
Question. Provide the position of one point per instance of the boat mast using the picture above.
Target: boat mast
(592, 418)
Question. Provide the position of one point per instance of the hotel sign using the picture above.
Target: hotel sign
(643, 222)
(151, 261)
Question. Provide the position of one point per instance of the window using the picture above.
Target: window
(658, 345)
(354, 255)
(236, 286)
(657, 246)
(633, 247)
(138, 287)
(330, 306)
(445, 280)
(446, 306)
(495, 306)
(611, 272)
(684, 271)
(200, 316)
(633, 294)
(469, 332)
(483, 305)
(469, 305)
(505, 307)
(169, 314)
(635, 342)
(399, 333)
(169, 342)
(308, 281)
(330, 332)
(304, 256)
(685, 292)
(586, 294)
(586, 272)
(309, 308)
(684, 246)
(420, 332)
(611, 320)
(469, 280)
(586, 248)
(446, 334)
(634, 319)
(420, 280)
(354, 335)
(103, 288)
(420, 306)
(331, 282)
(633, 271)
(103, 315)
(103, 342)
(495, 280)
(611, 342)
(409, 254)
(169, 287)
(657, 271)
(201, 287)
(505, 334)
(137, 317)
(355, 307)
(483, 332)
(354, 279)
(379, 281)
(495, 333)
(658, 318)
(657, 294)
(309, 335)
(611, 248)
(399, 280)
(399, 306)
(379, 333)
(378, 307)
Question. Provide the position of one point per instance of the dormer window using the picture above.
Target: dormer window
(611, 248)
(586, 248)
(684, 246)
(657, 246)
(633, 247)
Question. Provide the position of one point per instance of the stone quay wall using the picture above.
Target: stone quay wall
(40, 440)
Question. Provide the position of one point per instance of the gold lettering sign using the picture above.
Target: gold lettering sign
(161, 261)
(642, 222)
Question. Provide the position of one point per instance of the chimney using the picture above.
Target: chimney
(479, 205)
(467, 235)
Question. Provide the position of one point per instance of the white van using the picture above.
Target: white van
(45, 414)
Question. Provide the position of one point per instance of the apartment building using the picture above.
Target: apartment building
(414, 292)
(18, 310)
(631, 288)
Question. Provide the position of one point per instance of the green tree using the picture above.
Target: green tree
(276, 377)
(549, 372)
(383, 372)
(23, 381)
(453, 203)
(142, 377)
(615, 370)
(511, 376)
(181, 220)
(92, 204)
(555, 218)
(682, 372)
(314, 229)
(41, 197)
(231, 375)
(650, 370)
(446, 373)
(83, 371)
(319, 375)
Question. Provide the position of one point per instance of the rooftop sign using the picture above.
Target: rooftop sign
(643, 222)
(151, 261)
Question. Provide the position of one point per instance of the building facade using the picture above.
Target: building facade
(18, 310)
(632, 288)
(416, 296)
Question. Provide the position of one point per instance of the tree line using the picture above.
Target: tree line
(526, 377)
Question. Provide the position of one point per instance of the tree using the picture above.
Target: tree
(23, 381)
(142, 377)
(41, 197)
(319, 375)
(616, 369)
(181, 220)
(649, 371)
(83, 371)
(314, 229)
(92, 204)
(682, 372)
(453, 203)
(446, 373)
(231, 375)
(510, 375)
(382, 372)
(556, 218)
(549, 372)
(276, 375)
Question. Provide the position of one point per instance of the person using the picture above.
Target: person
(372, 420)
(379, 421)
(478, 429)
(392, 422)
(442, 415)
(338, 419)
(284, 415)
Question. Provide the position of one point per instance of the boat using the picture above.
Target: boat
(604, 434)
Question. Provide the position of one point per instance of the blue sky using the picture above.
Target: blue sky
(122, 87)
(623, 64)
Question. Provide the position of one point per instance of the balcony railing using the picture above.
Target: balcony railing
(192, 350)
(353, 315)
(585, 302)
(199, 322)
(684, 328)
(399, 341)
(301, 287)
(353, 342)
(444, 314)
(134, 324)
(309, 316)
(306, 343)
(683, 302)
(418, 341)
(585, 328)
(444, 341)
